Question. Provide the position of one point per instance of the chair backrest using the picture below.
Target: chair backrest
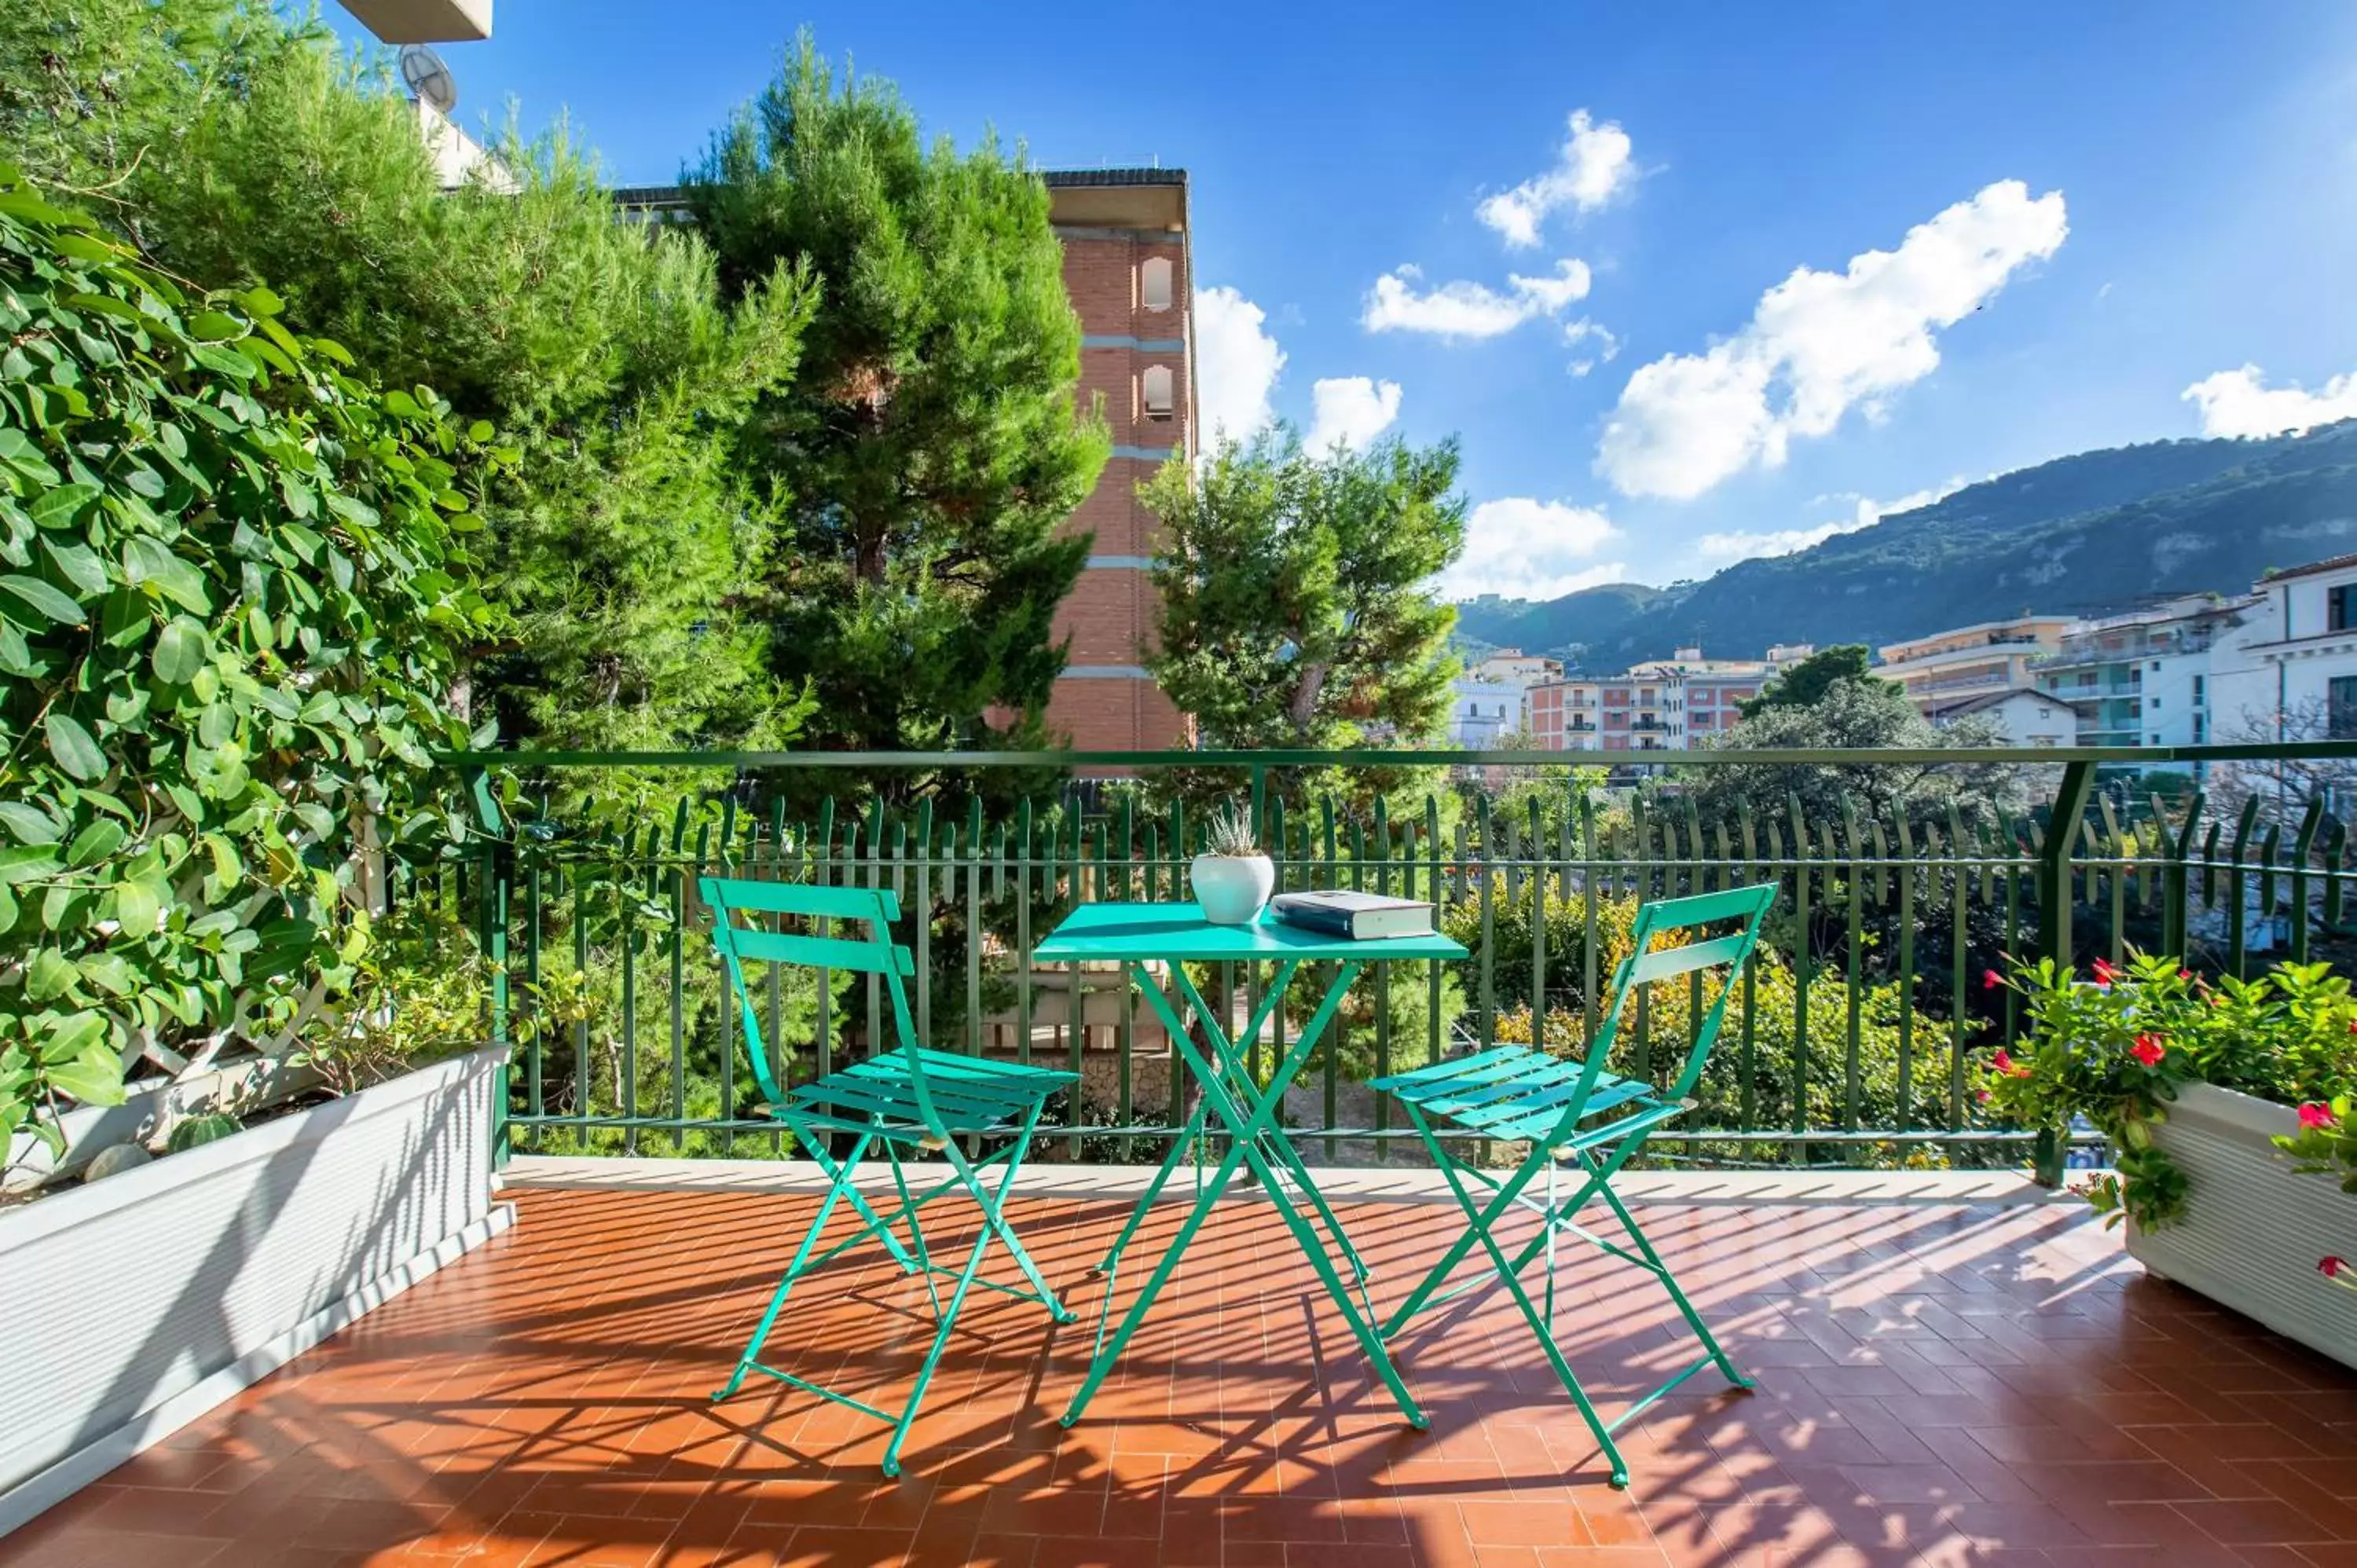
(874, 953)
(1745, 907)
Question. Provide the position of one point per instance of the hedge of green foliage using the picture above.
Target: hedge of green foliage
(233, 591)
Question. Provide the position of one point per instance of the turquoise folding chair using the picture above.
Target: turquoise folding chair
(928, 1098)
(1515, 1093)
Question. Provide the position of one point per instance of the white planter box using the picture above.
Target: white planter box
(2254, 1227)
(147, 1115)
(134, 1305)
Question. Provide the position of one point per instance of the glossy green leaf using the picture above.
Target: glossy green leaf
(94, 1077)
(72, 746)
(30, 602)
(58, 507)
(180, 650)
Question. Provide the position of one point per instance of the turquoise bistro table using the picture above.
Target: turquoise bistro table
(1176, 935)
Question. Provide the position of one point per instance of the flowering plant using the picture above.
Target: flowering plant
(2114, 1048)
(2327, 1141)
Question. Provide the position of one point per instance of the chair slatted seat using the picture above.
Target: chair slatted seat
(910, 1094)
(1573, 1113)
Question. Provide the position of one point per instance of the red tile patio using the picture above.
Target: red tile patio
(1940, 1382)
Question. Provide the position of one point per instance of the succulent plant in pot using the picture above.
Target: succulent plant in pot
(1232, 878)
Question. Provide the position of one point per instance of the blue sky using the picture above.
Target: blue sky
(2083, 212)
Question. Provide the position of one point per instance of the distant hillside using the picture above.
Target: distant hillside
(1591, 615)
(2080, 535)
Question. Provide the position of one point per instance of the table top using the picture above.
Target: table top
(1143, 931)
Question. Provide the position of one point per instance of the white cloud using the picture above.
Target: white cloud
(1723, 549)
(1606, 346)
(1351, 410)
(1593, 166)
(1465, 309)
(2239, 402)
(1236, 366)
(1528, 549)
(1819, 344)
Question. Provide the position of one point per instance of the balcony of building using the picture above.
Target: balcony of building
(1951, 1361)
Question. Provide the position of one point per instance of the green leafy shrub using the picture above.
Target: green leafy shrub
(233, 588)
(2116, 1046)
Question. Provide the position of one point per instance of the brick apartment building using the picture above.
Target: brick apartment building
(1667, 704)
(1127, 268)
(1130, 275)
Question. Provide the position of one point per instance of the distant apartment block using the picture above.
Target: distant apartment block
(1492, 698)
(1948, 669)
(2287, 669)
(1129, 272)
(1484, 711)
(2023, 717)
(1666, 704)
(2143, 678)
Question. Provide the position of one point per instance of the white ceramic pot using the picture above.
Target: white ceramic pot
(1232, 889)
(2254, 1227)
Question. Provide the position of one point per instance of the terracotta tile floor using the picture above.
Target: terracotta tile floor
(1939, 1383)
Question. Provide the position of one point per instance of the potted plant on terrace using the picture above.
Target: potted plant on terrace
(2225, 1102)
(1232, 878)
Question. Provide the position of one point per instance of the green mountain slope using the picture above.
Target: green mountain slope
(1588, 616)
(2080, 535)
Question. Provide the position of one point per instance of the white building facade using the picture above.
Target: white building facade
(1486, 712)
(2288, 669)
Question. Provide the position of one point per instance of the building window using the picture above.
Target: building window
(2342, 718)
(1154, 389)
(2154, 703)
(1154, 282)
(2200, 696)
(2199, 729)
(2341, 607)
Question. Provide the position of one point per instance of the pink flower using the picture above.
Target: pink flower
(2003, 1061)
(1985, 1097)
(2148, 1050)
(2313, 1116)
(2184, 974)
(2105, 973)
(1991, 979)
(2333, 1268)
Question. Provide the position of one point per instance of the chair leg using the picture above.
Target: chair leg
(1539, 1325)
(993, 1214)
(1670, 1282)
(815, 1143)
(835, 1193)
(933, 1356)
(994, 1223)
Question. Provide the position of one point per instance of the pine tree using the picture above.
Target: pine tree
(1296, 610)
(929, 450)
(622, 542)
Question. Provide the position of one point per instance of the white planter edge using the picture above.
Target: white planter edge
(2254, 1227)
(84, 1205)
(148, 1114)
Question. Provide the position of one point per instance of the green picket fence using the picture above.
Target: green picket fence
(1852, 1039)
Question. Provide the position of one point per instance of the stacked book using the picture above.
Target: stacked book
(1359, 917)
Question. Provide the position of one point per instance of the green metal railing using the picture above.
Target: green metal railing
(1853, 1043)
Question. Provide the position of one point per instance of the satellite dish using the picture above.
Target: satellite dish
(428, 78)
